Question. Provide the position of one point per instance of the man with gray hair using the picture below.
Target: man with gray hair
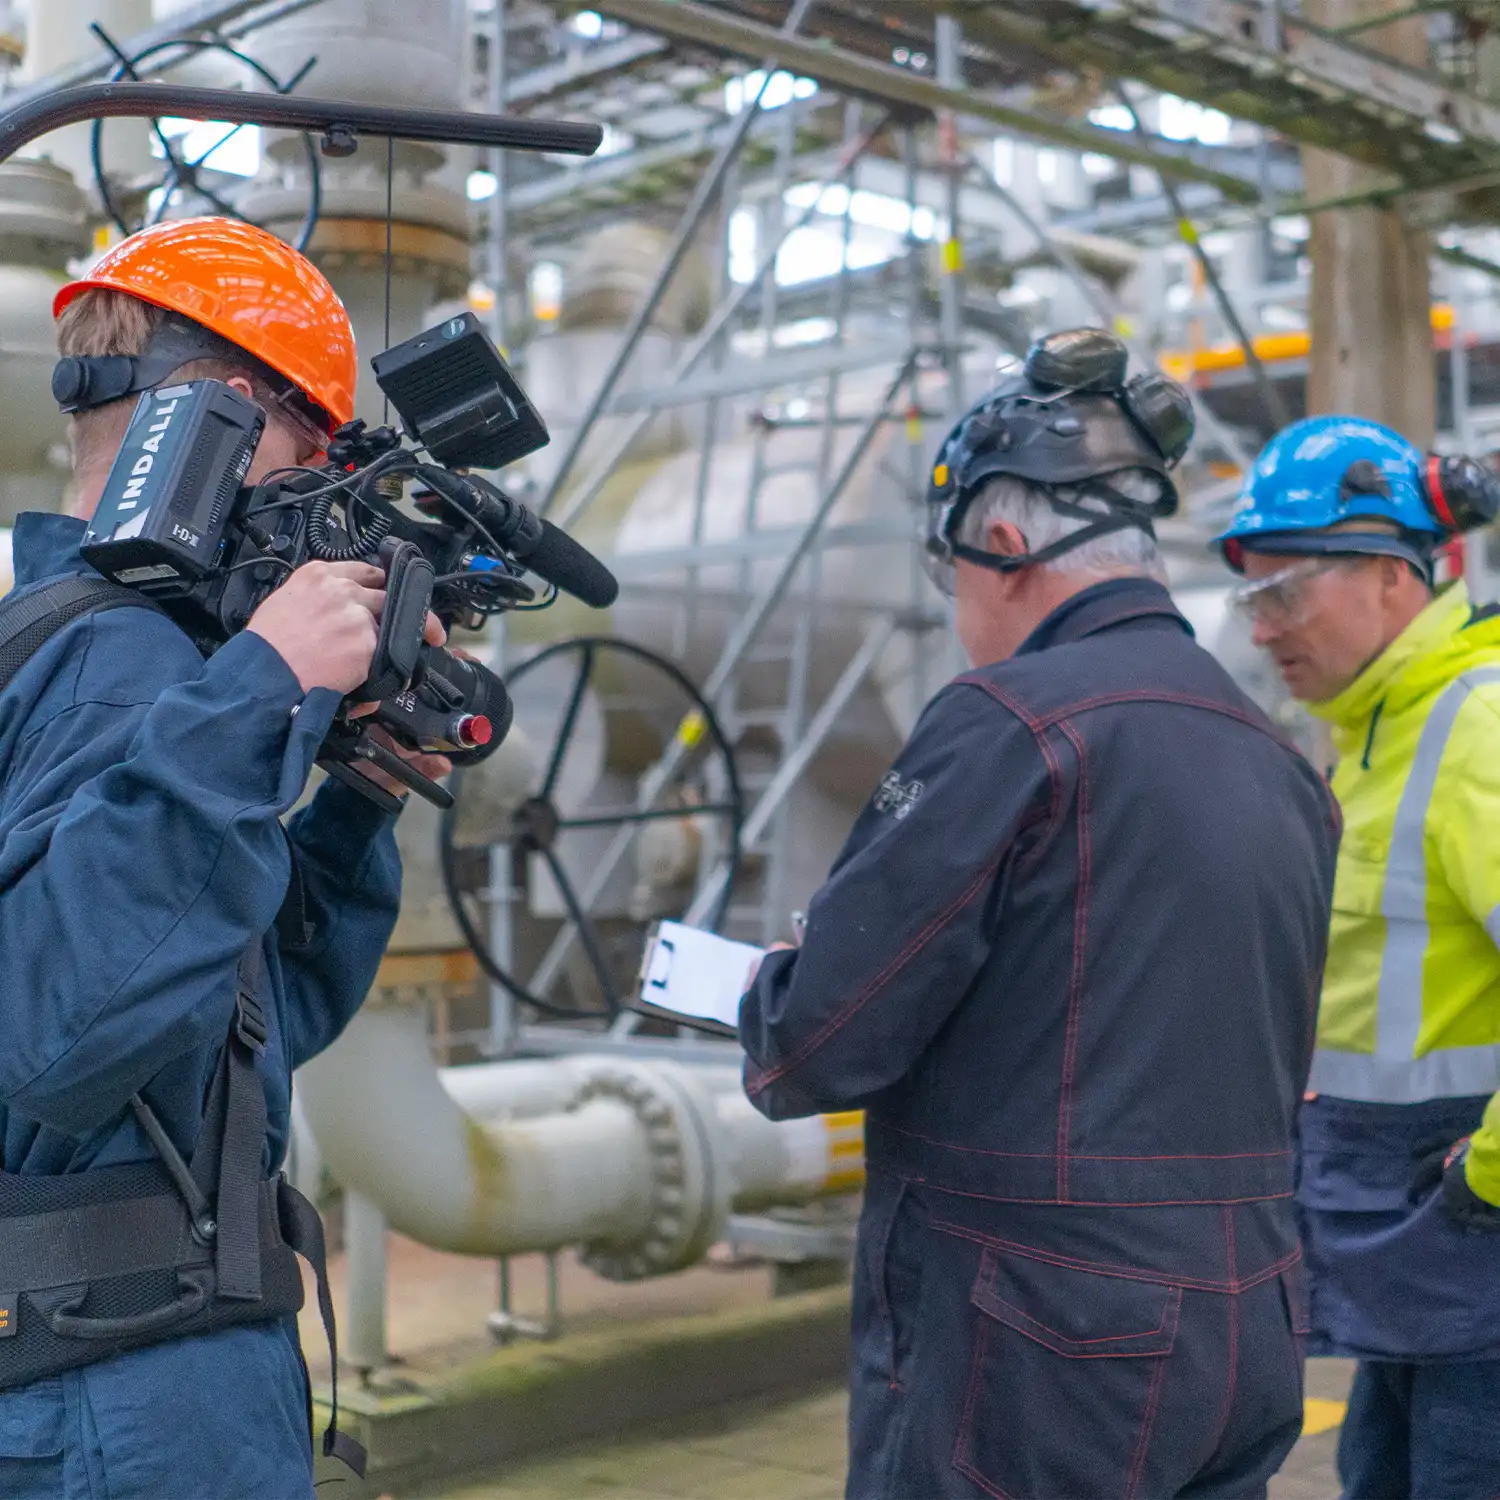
(1067, 964)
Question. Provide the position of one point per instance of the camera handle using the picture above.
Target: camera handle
(349, 743)
(408, 597)
(398, 655)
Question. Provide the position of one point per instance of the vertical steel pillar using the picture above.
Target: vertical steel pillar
(949, 47)
(364, 1345)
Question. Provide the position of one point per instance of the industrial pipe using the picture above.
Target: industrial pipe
(342, 120)
(637, 1163)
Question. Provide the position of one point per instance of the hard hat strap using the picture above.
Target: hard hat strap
(84, 382)
(1123, 512)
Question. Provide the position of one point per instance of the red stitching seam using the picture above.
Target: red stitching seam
(1148, 1422)
(1234, 1334)
(1125, 1273)
(882, 1293)
(1005, 700)
(1075, 983)
(966, 1423)
(1065, 1338)
(954, 1192)
(1044, 746)
(837, 1021)
(1076, 1155)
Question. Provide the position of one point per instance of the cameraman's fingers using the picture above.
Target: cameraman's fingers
(357, 572)
(433, 632)
(370, 599)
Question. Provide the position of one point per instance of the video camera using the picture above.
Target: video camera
(177, 522)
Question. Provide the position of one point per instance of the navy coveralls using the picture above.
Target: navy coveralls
(140, 853)
(1068, 963)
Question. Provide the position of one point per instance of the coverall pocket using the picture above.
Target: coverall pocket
(32, 1421)
(1065, 1378)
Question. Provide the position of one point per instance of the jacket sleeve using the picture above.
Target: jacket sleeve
(140, 853)
(1466, 799)
(349, 875)
(905, 921)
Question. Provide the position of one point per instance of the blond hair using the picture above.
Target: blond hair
(101, 321)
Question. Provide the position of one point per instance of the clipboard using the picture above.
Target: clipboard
(695, 978)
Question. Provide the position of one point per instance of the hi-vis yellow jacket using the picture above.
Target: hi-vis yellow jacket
(1411, 995)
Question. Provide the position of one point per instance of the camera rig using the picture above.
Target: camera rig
(184, 530)
(176, 522)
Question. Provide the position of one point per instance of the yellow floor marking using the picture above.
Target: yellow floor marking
(1320, 1415)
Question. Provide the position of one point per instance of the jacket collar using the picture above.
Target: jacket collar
(1427, 655)
(1103, 606)
(45, 547)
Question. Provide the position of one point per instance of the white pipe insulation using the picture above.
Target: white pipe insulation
(638, 1163)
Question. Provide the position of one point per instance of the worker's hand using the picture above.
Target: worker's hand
(1443, 1169)
(322, 623)
(433, 767)
(755, 967)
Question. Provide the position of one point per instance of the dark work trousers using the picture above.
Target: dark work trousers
(1422, 1432)
(1039, 1353)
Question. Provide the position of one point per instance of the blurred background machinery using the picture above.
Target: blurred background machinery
(814, 233)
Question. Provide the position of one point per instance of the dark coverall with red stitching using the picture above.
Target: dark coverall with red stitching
(1068, 963)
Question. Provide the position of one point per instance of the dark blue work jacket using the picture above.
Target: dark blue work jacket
(1071, 951)
(141, 851)
(1068, 963)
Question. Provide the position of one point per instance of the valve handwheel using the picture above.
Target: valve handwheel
(186, 180)
(539, 828)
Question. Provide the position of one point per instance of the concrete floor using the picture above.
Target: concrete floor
(768, 1451)
(796, 1452)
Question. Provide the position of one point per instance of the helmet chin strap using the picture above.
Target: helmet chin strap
(1124, 513)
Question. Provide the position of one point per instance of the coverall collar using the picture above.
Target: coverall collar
(1424, 657)
(1102, 606)
(46, 547)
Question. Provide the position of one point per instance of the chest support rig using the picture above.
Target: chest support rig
(100, 1262)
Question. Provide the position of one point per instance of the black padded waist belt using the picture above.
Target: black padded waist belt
(98, 1263)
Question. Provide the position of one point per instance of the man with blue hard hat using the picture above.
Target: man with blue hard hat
(1337, 534)
(1067, 964)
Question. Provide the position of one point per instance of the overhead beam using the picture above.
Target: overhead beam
(1259, 64)
(849, 73)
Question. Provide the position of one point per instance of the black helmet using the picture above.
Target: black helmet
(1070, 418)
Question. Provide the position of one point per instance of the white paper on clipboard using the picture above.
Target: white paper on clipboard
(697, 976)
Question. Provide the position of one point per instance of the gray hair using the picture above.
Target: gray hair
(1123, 553)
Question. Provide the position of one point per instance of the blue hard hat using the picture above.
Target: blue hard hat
(1324, 471)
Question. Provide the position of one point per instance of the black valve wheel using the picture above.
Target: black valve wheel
(187, 181)
(704, 784)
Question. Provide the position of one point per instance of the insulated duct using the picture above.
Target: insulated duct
(637, 1163)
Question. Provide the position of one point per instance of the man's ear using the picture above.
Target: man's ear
(241, 384)
(1005, 539)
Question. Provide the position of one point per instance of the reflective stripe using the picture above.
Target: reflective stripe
(1449, 1073)
(1492, 926)
(1394, 1074)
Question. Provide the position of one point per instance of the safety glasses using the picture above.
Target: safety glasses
(937, 550)
(312, 436)
(1283, 599)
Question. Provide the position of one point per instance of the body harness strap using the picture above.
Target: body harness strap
(58, 1235)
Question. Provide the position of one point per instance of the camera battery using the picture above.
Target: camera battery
(170, 494)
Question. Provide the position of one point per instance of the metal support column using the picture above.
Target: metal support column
(707, 338)
(949, 47)
(363, 1342)
(703, 197)
(735, 649)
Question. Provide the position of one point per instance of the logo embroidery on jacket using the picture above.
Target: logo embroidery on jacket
(896, 796)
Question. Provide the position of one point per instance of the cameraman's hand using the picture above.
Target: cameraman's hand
(322, 623)
(433, 767)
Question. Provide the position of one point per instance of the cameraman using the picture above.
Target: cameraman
(142, 854)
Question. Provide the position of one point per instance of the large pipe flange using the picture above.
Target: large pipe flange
(689, 1184)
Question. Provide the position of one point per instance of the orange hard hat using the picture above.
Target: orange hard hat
(247, 286)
